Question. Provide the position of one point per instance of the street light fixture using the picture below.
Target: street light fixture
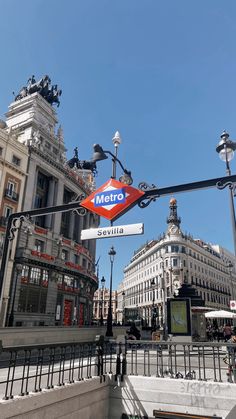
(109, 332)
(123, 308)
(100, 154)
(102, 299)
(226, 149)
(230, 268)
(153, 321)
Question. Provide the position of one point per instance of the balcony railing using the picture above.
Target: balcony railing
(11, 194)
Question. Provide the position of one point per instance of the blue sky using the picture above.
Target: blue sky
(162, 73)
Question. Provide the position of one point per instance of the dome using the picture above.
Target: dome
(173, 201)
(2, 124)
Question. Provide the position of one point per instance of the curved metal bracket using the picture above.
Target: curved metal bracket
(81, 210)
(146, 199)
(16, 225)
(222, 185)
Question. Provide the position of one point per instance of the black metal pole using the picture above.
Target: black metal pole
(101, 312)
(231, 202)
(109, 332)
(220, 182)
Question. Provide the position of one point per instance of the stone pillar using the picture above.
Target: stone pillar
(50, 202)
(57, 216)
(72, 225)
(51, 298)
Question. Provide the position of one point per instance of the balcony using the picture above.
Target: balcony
(11, 195)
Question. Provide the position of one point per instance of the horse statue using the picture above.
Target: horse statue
(53, 95)
(43, 87)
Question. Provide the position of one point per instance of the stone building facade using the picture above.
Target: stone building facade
(159, 268)
(101, 304)
(53, 279)
(13, 174)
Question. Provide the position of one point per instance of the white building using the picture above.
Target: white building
(158, 269)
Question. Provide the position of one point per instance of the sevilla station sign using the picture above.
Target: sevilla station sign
(112, 199)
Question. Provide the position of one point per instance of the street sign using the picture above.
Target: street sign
(112, 199)
(232, 305)
(115, 231)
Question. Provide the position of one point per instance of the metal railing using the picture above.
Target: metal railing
(33, 368)
(191, 361)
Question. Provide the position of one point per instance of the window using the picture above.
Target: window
(39, 245)
(64, 254)
(175, 262)
(10, 188)
(1, 151)
(7, 211)
(16, 160)
(76, 259)
(35, 275)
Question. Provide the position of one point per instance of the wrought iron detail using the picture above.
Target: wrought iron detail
(146, 200)
(78, 198)
(17, 223)
(144, 186)
(222, 185)
(80, 211)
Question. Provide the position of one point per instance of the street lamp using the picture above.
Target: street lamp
(100, 154)
(230, 267)
(109, 332)
(226, 149)
(163, 287)
(102, 299)
(123, 308)
(153, 321)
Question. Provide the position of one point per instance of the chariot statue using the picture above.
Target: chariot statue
(49, 92)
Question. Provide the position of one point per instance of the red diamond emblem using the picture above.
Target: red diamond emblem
(112, 199)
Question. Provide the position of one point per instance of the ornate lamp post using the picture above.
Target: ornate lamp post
(100, 154)
(101, 301)
(109, 332)
(153, 321)
(123, 308)
(226, 149)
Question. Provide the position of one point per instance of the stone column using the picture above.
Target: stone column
(72, 224)
(58, 201)
(50, 202)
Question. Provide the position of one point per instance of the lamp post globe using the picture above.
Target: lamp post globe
(109, 332)
(116, 139)
(226, 149)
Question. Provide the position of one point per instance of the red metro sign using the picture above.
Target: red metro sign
(112, 199)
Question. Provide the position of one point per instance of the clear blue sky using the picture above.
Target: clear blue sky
(162, 73)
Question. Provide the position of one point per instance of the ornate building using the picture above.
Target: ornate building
(159, 268)
(13, 173)
(101, 305)
(53, 279)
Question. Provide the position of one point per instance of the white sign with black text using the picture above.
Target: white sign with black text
(114, 231)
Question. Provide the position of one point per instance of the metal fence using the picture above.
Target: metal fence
(33, 368)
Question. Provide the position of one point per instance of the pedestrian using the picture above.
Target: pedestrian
(230, 359)
(227, 332)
